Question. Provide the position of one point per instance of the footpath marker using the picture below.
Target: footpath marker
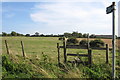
(111, 9)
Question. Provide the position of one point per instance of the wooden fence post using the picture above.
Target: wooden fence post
(107, 53)
(64, 45)
(23, 49)
(89, 56)
(58, 48)
(7, 47)
(88, 45)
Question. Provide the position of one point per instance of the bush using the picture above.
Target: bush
(61, 38)
(96, 43)
(72, 41)
(98, 71)
(83, 43)
(15, 70)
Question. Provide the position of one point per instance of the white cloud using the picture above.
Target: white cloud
(57, 0)
(73, 16)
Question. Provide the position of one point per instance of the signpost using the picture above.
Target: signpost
(111, 9)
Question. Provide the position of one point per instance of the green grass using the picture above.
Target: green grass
(45, 65)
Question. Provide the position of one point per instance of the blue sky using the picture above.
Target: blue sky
(119, 18)
(56, 17)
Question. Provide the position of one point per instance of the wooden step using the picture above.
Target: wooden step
(83, 55)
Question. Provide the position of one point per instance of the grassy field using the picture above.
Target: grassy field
(43, 49)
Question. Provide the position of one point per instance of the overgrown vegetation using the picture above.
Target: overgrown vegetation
(41, 61)
(83, 43)
(97, 43)
(44, 68)
(72, 41)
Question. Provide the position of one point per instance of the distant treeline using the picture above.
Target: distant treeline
(13, 33)
(68, 35)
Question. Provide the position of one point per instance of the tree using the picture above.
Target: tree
(72, 40)
(27, 35)
(83, 43)
(92, 36)
(42, 35)
(67, 35)
(80, 35)
(36, 34)
(75, 34)
(18, 34)
(8, 34)
(96, 43)
(13, 33)
(4, 34)
(85, 35)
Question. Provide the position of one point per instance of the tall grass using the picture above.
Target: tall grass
(41, 61)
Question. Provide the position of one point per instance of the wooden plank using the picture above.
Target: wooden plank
(23, 49)
(99, 48)
(107, 53)
(74, 47)
(7, 47)
(61, 46)
(80, 47)
(83, 55)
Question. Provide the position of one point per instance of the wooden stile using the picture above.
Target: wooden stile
(89, 55)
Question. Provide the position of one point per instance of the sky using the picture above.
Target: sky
(55, 17)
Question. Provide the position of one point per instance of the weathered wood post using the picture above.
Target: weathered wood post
(89, 56)
(88, 45)
(23, 49)
(64, 45)
(7, 47)
(107, 53)
(58, 49)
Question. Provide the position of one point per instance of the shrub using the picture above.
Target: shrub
(96, 43)
(61, 38)
(72, 40)
(14, 70)
(83, 43)
(98, 71)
